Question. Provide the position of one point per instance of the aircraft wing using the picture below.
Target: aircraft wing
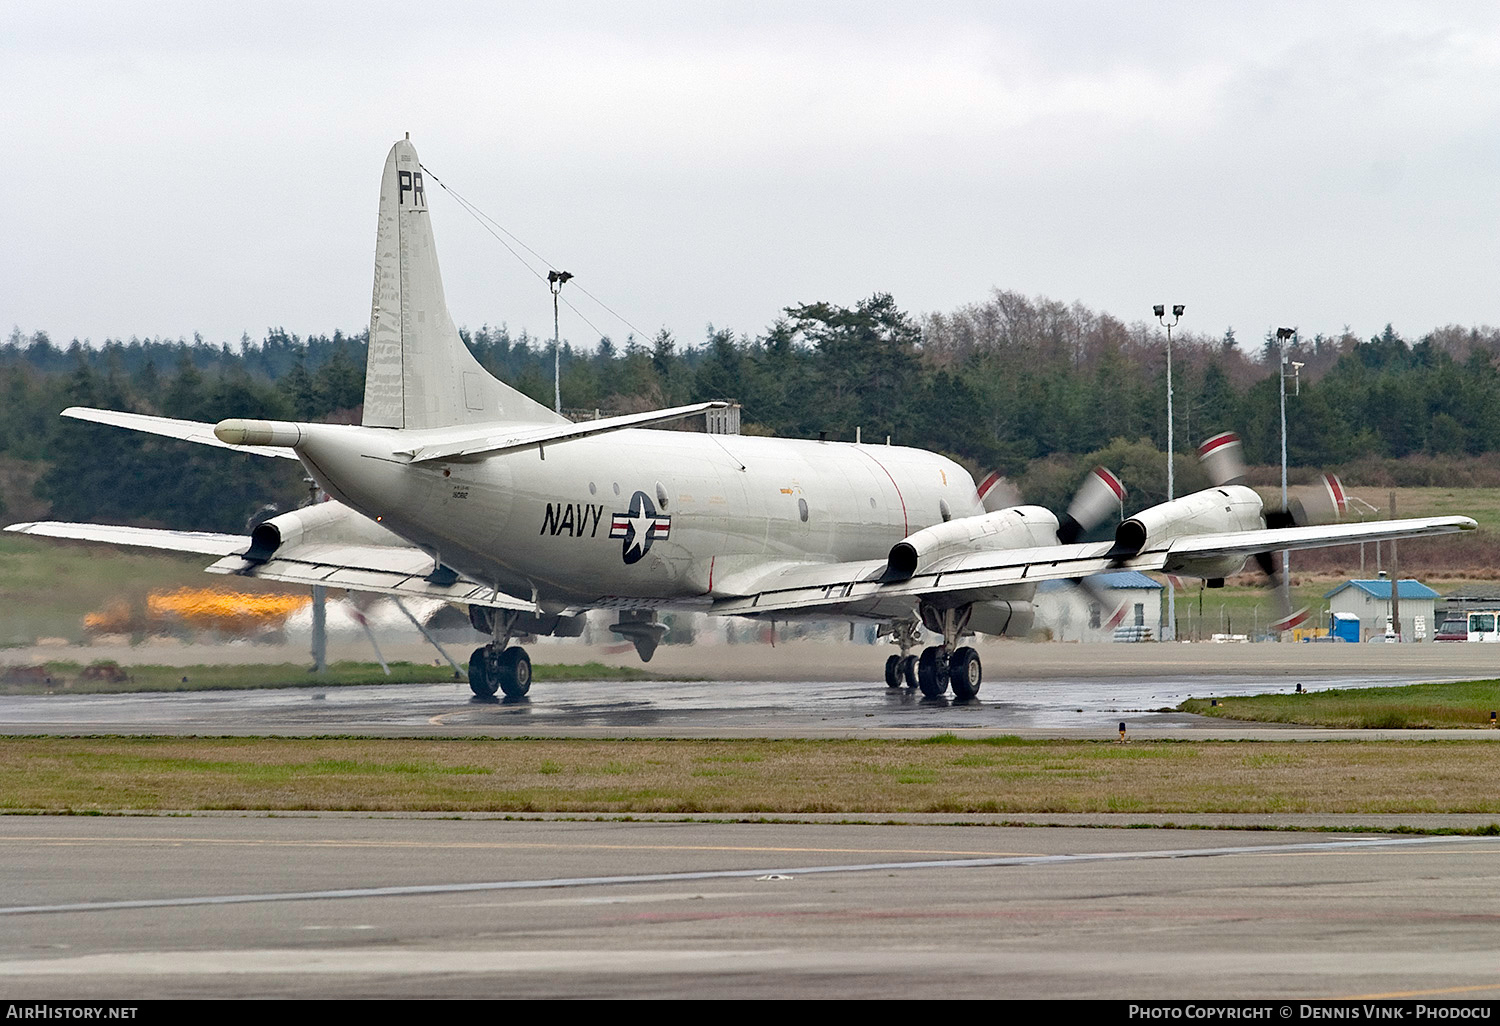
(384, 569)
(200, 542)
(186, 430)
(492, 442)
(864, 589)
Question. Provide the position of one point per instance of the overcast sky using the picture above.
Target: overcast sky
(215, 168)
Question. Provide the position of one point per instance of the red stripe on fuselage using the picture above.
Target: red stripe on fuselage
(905, 523)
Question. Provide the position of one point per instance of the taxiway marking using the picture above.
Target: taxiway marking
(718, 874)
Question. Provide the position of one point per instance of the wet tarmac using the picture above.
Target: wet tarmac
(1042, 705)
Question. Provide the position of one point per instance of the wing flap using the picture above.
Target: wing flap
(836, 589)
(385, 570)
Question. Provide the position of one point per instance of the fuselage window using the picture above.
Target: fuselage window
(802, 509)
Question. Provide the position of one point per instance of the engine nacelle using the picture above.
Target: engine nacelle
(1010, 619)
(324, 522)
(1212, 511)
(1019, 527)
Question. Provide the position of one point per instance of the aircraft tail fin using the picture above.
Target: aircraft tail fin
(420, 374)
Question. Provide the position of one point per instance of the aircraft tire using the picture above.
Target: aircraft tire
(964, 673)
(909, 671)
(893, 672)
(929, 678)
(515, 672)
(481, 681)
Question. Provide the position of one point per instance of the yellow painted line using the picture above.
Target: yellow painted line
(1398, 994)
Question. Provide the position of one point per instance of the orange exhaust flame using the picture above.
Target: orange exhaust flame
(228, 612)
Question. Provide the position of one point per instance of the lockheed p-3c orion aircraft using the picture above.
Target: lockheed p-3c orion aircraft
(459, 487)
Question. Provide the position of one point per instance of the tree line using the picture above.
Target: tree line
(1035, 388)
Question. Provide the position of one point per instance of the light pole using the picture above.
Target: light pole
(555, 281)
(1161, 316)
(1282, 337)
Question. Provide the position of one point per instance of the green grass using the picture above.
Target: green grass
(102, 775)
(67, 676)
(1466, 704)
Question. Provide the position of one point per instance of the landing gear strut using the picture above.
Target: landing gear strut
(494, 667)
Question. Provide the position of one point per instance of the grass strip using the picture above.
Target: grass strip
(943, 774)
(1465, 704)
(71, 677)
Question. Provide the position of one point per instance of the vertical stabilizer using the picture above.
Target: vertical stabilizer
(420, 373)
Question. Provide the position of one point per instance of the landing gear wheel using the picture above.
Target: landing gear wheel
(964, 673)
(482, 680)
(932, 673)
(515, 672)
(909, 671)
(893, 672)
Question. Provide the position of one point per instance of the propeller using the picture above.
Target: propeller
(1222, 458)
(1100, 494)
(997, 492)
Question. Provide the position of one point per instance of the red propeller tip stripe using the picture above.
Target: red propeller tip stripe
(1217, 441)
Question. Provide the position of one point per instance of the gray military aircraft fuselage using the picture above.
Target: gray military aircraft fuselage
(648, 513)
(640, 514)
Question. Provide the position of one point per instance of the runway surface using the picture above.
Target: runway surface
(329, 905)
(345, 907)
(1032, 690)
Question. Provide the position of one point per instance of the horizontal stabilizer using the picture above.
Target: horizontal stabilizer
(492, 442)
(186, 430)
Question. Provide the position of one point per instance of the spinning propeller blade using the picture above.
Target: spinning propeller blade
(1223, 460)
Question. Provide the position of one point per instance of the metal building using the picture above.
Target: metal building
(1131, 610)
(1371, 602)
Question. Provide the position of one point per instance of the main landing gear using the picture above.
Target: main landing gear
(939, 667)
(492, 669)
(495, 667)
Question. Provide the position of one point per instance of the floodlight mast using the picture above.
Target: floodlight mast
(1161, 315)
(555, 281)
(1283, 335)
